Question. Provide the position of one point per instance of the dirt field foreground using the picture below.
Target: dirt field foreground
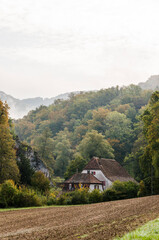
(95, 221)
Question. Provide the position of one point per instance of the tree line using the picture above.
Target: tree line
(111, 123)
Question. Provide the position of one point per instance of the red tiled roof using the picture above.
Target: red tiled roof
(110, 168)
(83, 178)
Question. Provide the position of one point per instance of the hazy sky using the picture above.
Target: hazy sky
(48, 47)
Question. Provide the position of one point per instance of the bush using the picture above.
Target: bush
(80, 196)
(40, 182)
(51, 199)
(28, 198)
(62, 200)
(121, 190)
(11, 196)
(7, 194)
(95, 196)
(126, 189)
(110, 194)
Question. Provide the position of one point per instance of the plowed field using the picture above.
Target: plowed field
(95, 221)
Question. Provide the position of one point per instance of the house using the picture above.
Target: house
(99, 173)
(85, 180)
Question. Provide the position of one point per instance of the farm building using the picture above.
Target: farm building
(99, 173)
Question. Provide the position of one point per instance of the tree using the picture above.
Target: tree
(8, 166)
(94, 144)
(26, 171)
(62, 152)
(76, 165)
(44, 145)
(119, 133)
(98, 122)
(150, 118)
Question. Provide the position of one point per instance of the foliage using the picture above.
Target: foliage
(121, 190)
(8, 192)
(111, 112)
(62, 152)
(80, 196)
(94, 144)
(95, 196)
(119, 133)
(40, 182)
(11, 196)
(150, 118)
(142, 189)
(26, 171)
(8, 166)
(110, 195)
(44, 145)
(28, 198)
(75, 165)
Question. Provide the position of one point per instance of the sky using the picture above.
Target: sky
(49, 47)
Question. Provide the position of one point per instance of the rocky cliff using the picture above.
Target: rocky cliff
(24, 151)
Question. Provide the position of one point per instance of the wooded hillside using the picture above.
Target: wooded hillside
(67, 133)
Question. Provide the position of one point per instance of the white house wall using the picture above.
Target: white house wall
(91, 187)
(100, 176)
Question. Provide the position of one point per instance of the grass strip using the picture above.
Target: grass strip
(149, 231)
(27, 208)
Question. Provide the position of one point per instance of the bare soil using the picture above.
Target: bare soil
(96, 221)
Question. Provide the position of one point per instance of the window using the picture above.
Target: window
(88, 171)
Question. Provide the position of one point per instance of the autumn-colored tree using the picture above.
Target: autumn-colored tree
(8, 166)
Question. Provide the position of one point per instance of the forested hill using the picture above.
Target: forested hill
(107, 119)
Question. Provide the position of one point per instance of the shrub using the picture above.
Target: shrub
(8, 193)
(110, 194)
(51, 199)
(27, 198)
(126, 189)
(121, 190)
(40, 182)
(95, 196)
(11, 196)
(80, 196)
(62, 200)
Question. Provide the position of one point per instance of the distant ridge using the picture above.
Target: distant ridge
(19, 108)
(151, 84)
